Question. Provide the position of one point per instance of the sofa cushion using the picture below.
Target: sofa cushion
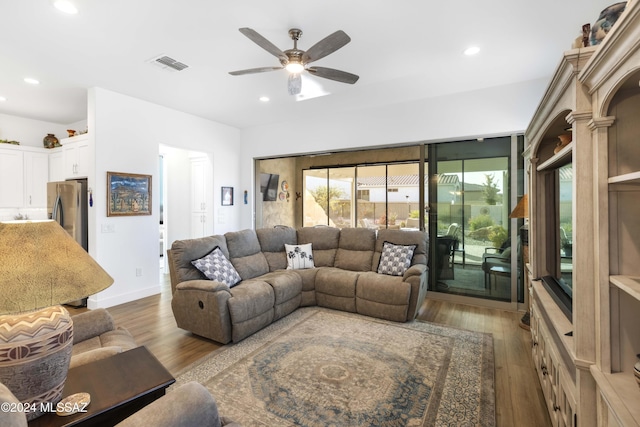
(245, 254)
(325, 243)
(250, 299)
(395, 259)
(299, 257)
(286, 285)
(308, 277)
(250, 308)
(287, 291)
(217, 267)
(355, 249)
(272, 241)
(383, 296)
(336, 288)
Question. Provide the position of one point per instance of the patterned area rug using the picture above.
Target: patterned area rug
(319, 367)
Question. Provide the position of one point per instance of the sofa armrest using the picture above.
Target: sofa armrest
(414, 270)
(189, 405)
(11, 418)
(200, 306)
(91, 324)
(202, 285)
(93, 355)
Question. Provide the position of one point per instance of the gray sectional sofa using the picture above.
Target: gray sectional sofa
(344, 278)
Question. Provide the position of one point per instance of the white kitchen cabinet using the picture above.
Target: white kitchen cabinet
(56, 165)
(76, 156)
(11, 177)
(24, 172)
(36, 175)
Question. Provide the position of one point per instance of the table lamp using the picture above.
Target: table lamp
(41, 266)
(522, 211)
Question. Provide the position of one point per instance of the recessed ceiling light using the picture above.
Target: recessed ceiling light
(65, 6)
(31, 81)
(2, 99)
(471, 50)
(264, 99)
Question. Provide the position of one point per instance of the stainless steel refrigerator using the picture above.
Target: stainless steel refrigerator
(67, 204)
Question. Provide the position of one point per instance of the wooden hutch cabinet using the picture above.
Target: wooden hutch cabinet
(585, 232)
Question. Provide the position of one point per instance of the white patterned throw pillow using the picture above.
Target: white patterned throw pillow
(217, 267)
(299, 256)
(395, 259)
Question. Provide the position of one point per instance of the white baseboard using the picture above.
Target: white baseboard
(94, 302)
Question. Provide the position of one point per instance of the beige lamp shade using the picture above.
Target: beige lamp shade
(42, 265)
(522, 208)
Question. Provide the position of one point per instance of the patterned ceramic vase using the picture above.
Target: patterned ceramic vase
(50, 141)
(605, 21)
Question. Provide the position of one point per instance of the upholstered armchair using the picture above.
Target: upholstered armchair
(499, 257)
(95, 336)
(189, 405)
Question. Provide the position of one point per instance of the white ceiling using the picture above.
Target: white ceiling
(402, 50)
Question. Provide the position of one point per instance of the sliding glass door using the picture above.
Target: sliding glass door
(473, 253)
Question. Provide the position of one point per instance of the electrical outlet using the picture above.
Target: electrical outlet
(108, 228)
(138, 271)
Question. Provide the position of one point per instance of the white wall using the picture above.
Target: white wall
(29, 132)
(127, 133)
(494, 111)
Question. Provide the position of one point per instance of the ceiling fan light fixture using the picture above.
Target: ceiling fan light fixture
(471, 50)
(65, 6)
(294, 67)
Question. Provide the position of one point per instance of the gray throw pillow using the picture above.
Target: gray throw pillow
(215, 266)
(395, 259)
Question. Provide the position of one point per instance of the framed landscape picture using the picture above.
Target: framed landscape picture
(128, 194)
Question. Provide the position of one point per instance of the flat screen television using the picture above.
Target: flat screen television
(269, 186)
(559, 237)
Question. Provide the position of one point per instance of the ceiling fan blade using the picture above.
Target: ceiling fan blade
(332, 74)
(263, 43)
(254, 70)
(324, 47)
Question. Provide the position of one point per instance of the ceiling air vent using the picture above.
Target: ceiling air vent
(168, 63)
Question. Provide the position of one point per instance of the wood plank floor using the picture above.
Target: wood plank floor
(519, 399)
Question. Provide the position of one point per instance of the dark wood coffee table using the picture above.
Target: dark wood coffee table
(119, 386)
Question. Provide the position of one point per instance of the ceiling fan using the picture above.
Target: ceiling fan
(295, 61)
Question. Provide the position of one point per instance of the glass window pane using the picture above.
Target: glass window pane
(341, 183)
(371, 195)
(315, 208)
(403, 195)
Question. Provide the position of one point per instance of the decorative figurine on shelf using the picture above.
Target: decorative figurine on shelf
(50, 141)
(71, 132)
(583, 40)
(564, 141)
